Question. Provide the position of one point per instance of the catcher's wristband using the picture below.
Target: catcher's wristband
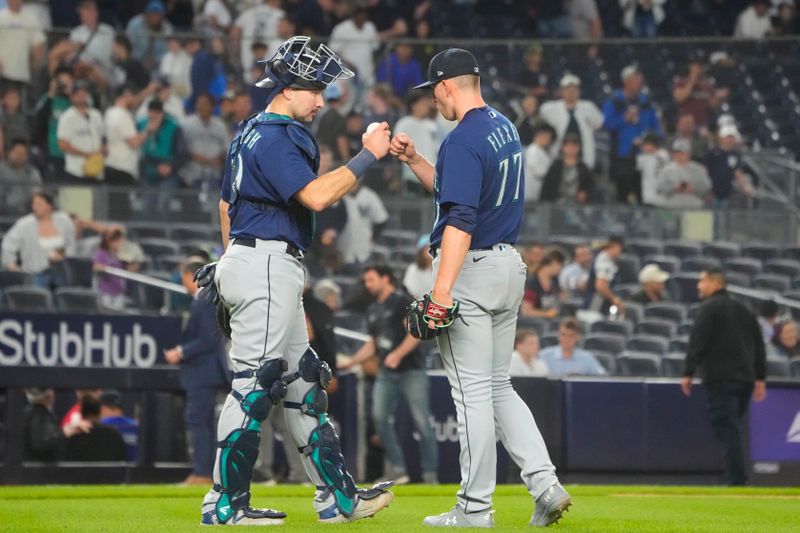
(361, 162)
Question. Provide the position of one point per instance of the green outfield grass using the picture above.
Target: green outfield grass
(158, 508)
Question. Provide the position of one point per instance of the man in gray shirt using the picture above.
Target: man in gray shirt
(207, 139)
(682, 182)
(17, 178)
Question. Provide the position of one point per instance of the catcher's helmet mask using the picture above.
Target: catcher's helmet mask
(297, 65)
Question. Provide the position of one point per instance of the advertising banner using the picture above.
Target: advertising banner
(775, 426)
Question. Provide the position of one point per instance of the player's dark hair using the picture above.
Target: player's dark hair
(570, 324)
(717, 274)
(524, 333)
(383, 271)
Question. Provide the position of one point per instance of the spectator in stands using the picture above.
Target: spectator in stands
(319, 322)
(329, 293)
(123, 140)
(731, 355)
(161, 90)
(324, 259)
(18, 177)
(726, 168)
(112, 289)
(653, 281)
(754, 22)
(92, 39)
(206, 73)
(215, 18)
(542, 293)
(537, 160)
(768, 319)
(696, 93)
(207, 141)
(785, 342)
(162, 152)
(424, 51)
(418, 278)
(38, 243)
(355, 127)
(387, 18)
(286, 30)
(203, 373)
(99, 443)
(128, 70)
(355, 39)
(642, 17)
(568, 180)
(697, 137)
(566, 359)
(330, 126)
(402, 373)
(787, 21)
(551, 20)
(256, 24)
(72, 422)
(420, 126)
(366, 218)
(13, 121)
(572, 115)
(148, 33)
(22, 43)
(584, 20)
(525, 361)
(649, 162)
(400, 70)
(42, 434)
(80, 138)
(48, 111)
(176, 66)
(599, 294)
(575, 276)
(628, 115)
(113, 415)
(532, 255)
(380, 106)
(533, 78)
(528, 118)
(682, 182)
(241, 109)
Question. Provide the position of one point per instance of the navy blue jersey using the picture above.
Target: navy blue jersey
(261, 178)
(480, 166)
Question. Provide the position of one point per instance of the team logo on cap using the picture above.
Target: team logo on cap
(439, 72)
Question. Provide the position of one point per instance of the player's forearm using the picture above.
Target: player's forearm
(408, 345)
(366, 351)
(224, 223)
(455, 244)
(327, 189)
(423, 170)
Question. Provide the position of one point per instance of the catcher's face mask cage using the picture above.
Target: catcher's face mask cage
(297, 64)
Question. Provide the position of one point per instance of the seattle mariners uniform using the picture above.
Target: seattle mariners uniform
(478, 185)
(270, 194)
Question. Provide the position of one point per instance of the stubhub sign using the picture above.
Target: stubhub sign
(52, 340)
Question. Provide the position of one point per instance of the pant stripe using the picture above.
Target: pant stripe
(466, 422)
(269, 304)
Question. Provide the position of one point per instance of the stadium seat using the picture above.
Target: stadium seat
(668, 263)
(617, 327)
(772, 282)
(794, 364)
(398, 237)
(737, 279)
(656, 326)
(193, 233)
(639, 364)
(791, 252)
(683, 249)
(80, 271)
(141, 231)
(152, 298)
(778, 367)
(28, 299)
(743, 265)
(155, 248)
(672, 364)
(698, 263)
(683, 286)
(685, 327)
(186, 248)
(608, 360)
(626, 290)
(723, 250)
(629, 266)
(633, 311)
(604, 342)
(644, 247)
(760, 251)
(77, 300)
(548, 340)
(170, 263)
(785, 267)
(539, 325)
(647, 343)
(792, 295)
(10, 278)
(679, 344)
(665, 310)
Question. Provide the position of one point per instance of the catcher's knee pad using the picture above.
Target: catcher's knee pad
(323, 447)
(239, 450)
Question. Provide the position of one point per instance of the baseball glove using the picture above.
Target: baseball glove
(425, 309)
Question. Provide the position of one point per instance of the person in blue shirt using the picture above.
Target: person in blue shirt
(478, 186)
(271, 193)
(565, 358)
(400, 70)
(112, 414)
(628, 114)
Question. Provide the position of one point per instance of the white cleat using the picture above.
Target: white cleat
(364, 509)
(455, 517)
(550, 506)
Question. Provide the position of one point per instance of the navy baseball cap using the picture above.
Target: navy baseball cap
(449, 64)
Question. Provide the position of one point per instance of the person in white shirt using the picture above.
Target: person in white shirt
(162, 91)
(366, 216)
(649, 163)
(216, 17)
(176, 66)
(575, 276)
(420, 126)
(123, 140)
(21, 43)
(682, 182)
(93, 36)
(525, 360)
(418, 278)
(537, 160)
(257, 24)
(80, 135)
(207, 140)
(570, 114)
(356, 39)
(754, 22)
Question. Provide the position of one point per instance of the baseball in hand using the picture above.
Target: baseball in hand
(372, 127)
